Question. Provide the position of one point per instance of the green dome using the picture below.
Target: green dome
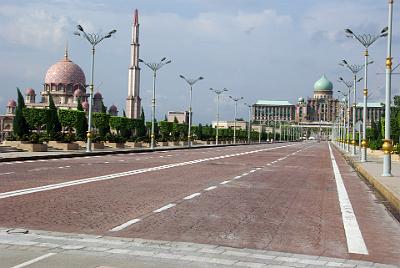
(323, 84)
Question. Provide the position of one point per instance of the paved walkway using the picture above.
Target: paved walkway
(52, 249)
(388, 187)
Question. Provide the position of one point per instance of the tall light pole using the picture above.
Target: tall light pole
(387, 143)
(217, 92)
(93, 39)
(154, 67)
(345, 102)
(354, 69)
(349, 85)
(235, 99)
(249, 126)
(366, 40)
(191, 82)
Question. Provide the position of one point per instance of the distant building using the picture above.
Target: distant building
(266, 110)
(240, 125)
(321, 107)
(182, 117)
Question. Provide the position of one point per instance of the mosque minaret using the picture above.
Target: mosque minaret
(133, 105)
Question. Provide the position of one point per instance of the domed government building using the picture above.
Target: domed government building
(321, 108)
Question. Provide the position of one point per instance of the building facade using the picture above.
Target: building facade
(322, 107)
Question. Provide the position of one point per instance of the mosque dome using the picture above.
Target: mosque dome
(65, 72)
(11, 103)
(301, 99)
(85, 105)
(113, 108)
(30, 92)
(323, 84)
(78, 93)
(98, 95)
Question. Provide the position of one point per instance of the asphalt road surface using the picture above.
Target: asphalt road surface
(299, 198)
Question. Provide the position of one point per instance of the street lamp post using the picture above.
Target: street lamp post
(93, 39)
(354, 69)
(235, 99)
(387, 143)
(366, 40)
(191, 82)
(154, 67)
(249, 129)
(218, 92)
(349, 86)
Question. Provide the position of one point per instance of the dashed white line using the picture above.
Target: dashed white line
(123, 226)
(210, 188)
(237, 177)
(7, 173)
(191, 196)
(225, 182)
(251, 171)
(355, 240)
(245, 174)
(34, 260)
(164, 208)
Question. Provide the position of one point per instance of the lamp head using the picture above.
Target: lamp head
(77, 33)
(359, 80)
(113, 32)
(349, 33)
(79, 27)
(344, 62)
(168, 62)
(163, 59)
(140, 60)
(224, 89)
(201, 78)
(341, 78)
(181, 76)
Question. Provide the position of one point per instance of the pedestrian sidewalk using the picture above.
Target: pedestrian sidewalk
(388, 187)
(54, 249)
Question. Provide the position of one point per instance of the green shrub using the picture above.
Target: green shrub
(375, 144)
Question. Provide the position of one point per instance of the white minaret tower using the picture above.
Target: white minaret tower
(133, 107)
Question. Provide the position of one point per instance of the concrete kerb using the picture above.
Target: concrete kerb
(386, 193)
(122, 151)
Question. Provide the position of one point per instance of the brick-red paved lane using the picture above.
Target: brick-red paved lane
(18, 175)
(284, 199)
(291, 205)
(98, 206)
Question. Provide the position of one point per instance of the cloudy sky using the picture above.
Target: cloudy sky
(258, 49)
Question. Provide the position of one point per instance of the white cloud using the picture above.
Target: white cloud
(33, 26)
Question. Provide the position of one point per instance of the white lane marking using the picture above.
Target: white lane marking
(237, 177)
(97, 156)
(106, 162)
(67, 166)
(210, 188)
(273, 162)
(124, 225)
(29, 161)
(268, 164)
(19, 162)
(122, 160)
(258, 168)
(355, 240)
(164, 208)
(60, 167)
(225, 182)
(107, 177)
(251, 171)
(7, 173)
(34, 260)
(191, 196)
(245, 174)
